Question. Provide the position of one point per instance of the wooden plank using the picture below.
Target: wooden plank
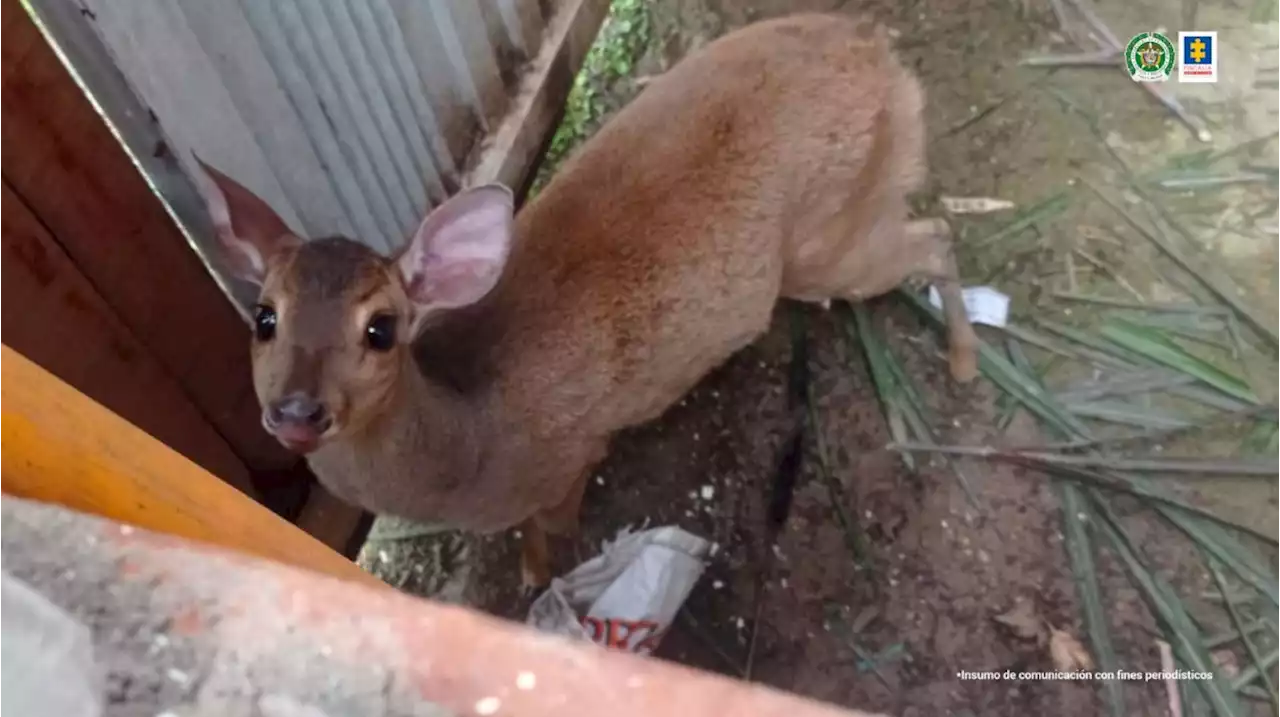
(510, 153)
(53, 315)
(60, 447)
(65, 163)
(14, 42)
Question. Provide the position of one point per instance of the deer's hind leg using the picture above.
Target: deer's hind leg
(891, 253)
(929, 242)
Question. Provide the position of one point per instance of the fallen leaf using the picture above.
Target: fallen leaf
(974, 205)
(1067, 653)
(1023, 621)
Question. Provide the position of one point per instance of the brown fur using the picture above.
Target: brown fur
(773, 163)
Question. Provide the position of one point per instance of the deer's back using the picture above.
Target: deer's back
(659, 248)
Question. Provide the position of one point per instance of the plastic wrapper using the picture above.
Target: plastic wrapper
(626, 597)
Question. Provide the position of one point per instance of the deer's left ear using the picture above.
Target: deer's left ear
(458, 253)
(250, 231)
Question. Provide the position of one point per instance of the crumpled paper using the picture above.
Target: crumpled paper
(627, 597)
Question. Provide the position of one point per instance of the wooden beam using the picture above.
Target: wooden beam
(510, 153)
(81, 186)
(61, 447)
(57, 318)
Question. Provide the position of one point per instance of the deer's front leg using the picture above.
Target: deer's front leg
(561, 519)
(535, 558)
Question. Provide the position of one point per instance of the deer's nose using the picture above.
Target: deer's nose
(297, 420)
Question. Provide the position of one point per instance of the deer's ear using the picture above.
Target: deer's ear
(458, 253)
(249, 230)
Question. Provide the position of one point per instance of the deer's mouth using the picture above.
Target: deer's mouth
(300, 437)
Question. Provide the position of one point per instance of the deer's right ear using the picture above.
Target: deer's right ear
(459, 252)
(249, 230)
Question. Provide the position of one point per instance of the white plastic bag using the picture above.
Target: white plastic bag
(627, 597)
(983, 304)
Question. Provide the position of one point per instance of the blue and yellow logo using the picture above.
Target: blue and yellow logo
(1198, 49)
(1198, 56)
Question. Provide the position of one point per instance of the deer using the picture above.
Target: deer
(476, 376)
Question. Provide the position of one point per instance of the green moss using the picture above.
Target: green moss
(622, 40)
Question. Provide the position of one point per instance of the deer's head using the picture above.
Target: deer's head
(334, 320)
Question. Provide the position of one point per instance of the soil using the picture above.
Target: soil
(883, 609)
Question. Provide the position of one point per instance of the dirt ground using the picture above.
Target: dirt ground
(884, 614)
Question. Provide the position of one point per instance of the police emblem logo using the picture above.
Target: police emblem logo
(1198, 56)
(1149, 57)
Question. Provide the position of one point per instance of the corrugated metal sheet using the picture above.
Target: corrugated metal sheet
(347, 116)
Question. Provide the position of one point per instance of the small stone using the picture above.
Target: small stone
(599, 480)
(178, 676)
(708, 492)
(742, 624)
(383, 557)
(718, 584)
(488, 706)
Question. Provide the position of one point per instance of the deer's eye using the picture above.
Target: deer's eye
(380, 334)
(264, 323)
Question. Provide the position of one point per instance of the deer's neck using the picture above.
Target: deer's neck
(411, 459)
